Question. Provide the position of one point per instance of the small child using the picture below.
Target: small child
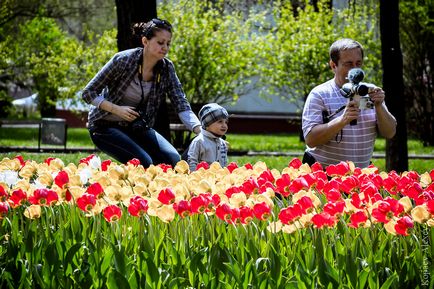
(209, 146)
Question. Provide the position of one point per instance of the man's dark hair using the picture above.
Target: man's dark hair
(342, 45)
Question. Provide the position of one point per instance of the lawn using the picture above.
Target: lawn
(289, 144)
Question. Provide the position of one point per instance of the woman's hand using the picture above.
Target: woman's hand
(126, 112)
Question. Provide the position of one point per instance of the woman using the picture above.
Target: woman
(126, 94)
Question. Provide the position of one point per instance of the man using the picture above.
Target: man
(328, 117)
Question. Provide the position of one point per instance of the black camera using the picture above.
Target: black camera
(140, 123)
(355, 87)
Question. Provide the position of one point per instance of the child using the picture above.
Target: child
(209, 146)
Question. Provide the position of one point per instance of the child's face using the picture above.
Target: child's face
(219, 127)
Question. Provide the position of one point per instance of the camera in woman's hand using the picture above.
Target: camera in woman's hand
(140, 123)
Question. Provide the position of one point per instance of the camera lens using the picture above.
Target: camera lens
(362, 90)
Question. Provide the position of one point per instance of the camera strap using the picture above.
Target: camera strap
(326, 118)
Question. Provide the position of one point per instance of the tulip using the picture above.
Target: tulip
(4, 208)
(43, 197)
(112, 213)
(182, 208)
(138, 206)
(262, 211)
(61, 179)
(166, 196)
(86, 202)
(17, 198)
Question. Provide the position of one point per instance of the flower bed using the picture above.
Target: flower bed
(97, 222)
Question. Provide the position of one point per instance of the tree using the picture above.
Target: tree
(393, 84)
(417, 34)
(214, 49)
(41, 59)
(296, 55)
(130, 12)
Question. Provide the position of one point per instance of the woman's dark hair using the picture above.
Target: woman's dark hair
(148, 29)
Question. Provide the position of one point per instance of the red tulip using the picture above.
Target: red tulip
(199, 204)
(135, 162)
(306, 204)
(182, 208)
(86, 202)
(334, 209)
(403, 225)
(112, 213)
(224, 212)
(61, 179)
(357, 219)
(43, 197)
(283, 184)
(4, 208)
(295, 163)
(316, 167)
(48, 160)
(332, 192)
(290, 214)
(235, 216)
(232, 190)
(166, 196)
(95, 189)
(298, 184)
(232, 166)
(246, 214)
(250, 186)
(105, 164)
(248, 166)
(164, 167)
(3, 194)
(339, 170)
(86, 159)
(262, 211)
(17, 198)
(383, 212)
(203, 165)
(138, 206)
(323, 220)
(349, 184)
(21, 160)
(265, 177)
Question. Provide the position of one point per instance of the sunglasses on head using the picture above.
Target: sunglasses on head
(160, 23)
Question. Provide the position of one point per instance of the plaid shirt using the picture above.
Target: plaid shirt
(113, 79)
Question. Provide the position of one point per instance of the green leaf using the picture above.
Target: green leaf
(389, 281)
(116, 280)
(68, 262)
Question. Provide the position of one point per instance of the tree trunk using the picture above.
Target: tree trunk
(130, 12)
(393, 84)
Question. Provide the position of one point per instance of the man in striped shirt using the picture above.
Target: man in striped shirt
(330, 140)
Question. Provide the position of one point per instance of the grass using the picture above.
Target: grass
(288, 143)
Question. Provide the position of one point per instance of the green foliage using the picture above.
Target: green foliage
(42, 56)
(296, 55)
(417, 34)
(214, 49)
(65, 249)
(52, 63)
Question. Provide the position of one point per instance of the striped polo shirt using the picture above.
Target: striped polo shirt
(357, 142)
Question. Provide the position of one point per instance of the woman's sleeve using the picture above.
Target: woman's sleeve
(101, 80)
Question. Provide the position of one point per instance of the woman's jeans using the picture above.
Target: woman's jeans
(124, 144)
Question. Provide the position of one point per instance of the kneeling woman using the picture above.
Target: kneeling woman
(126, 94)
